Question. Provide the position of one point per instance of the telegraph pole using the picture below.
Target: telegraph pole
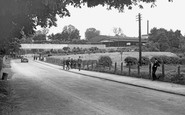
(139, 20)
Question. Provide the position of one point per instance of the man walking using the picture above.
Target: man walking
(68, 63)
(154, 69)
(79, 61)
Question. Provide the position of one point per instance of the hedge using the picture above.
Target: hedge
(166, 59)
(105, 61)
(131, 60)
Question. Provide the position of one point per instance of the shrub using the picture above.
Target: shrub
(145, 60)
(175, 60)
(166, 59)
(156, 57)
(105, 61)
(1, 62)
(131, 61)
(182, 61)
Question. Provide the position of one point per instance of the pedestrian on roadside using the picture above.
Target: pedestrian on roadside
(71, 63)
(74, 63)
(68, 63)
(154, 69)
(79, 62)
(64, 63)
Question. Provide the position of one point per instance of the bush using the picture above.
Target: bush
(182, 61)
(131, 61)
(175, 60)
(156, 57)
(105, 61)
(166, 59)
(1, 63)
(145, 60)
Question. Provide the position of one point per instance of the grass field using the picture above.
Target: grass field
(170, 70)
(115, 56)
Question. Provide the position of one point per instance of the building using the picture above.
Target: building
(116, 41)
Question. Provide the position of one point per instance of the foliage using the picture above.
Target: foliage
(21, 17)
(68, 34)
(131, 61)
(158, 58)
(93, 49)
(39, 37)
(105, 61)
(66, 48)
(91, 32)
(182, 61)
(166, 59)
(151, 46)
(118, 31)
(145, 60)
(165, 40)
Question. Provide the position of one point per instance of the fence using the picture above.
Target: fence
(167, 73)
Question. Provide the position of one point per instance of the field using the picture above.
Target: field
(115, 56)
(171, 71)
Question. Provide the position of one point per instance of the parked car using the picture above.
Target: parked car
(24, 59)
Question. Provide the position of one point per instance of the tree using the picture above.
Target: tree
(70, 33)
(39, 37)
(25, 15)
(118, 32)
(165, 39)
(91, 32)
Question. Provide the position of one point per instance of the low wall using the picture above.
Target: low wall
(60, 46)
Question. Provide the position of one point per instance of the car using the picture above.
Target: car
(24, 60)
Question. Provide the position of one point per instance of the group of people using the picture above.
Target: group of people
(71, 63)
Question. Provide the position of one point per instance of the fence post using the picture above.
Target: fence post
(150, 70)
(115, 68)
(138, 67)
(87, 65)
(163, 73)
(92, 65)
(121, 67)
(129, 69)
(83, 64)
(178, 71)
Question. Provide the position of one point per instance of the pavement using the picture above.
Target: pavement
(138, 82)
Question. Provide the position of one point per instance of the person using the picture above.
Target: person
(154, 69)
(71, 63)
(79, 62)
(64, 63)
(68, 63)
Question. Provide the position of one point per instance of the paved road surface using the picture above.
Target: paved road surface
(43, 90)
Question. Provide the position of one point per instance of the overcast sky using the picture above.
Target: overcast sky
(168, 15)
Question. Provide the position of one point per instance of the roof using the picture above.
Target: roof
(103, 38)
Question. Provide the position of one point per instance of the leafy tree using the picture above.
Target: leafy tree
(39, 37)
(55, 37)
(118, 31)
(69, 33)
(25, 15)
(91, 32)
(166, 40)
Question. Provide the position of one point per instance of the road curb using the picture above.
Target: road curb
(141, 86)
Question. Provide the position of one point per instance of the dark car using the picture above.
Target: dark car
(24, 59)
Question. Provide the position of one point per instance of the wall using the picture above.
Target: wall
(60, 46)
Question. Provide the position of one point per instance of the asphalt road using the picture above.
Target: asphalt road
(42, 90)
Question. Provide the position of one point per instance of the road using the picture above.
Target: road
(42, 90)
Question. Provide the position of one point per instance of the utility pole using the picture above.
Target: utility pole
(147, 27)
(139, 20)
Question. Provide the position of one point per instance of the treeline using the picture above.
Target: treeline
(164, 40)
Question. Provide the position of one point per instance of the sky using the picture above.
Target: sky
(168, 15)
